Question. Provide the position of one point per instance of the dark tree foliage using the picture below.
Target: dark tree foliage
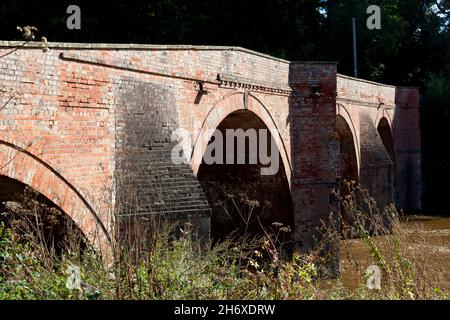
(411, 43)
(411, 48)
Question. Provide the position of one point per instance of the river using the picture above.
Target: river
(430, 234)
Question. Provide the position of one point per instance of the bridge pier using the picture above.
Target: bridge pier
(408, 146)
(314, 150)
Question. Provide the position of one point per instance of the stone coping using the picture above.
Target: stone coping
(132, 46)
(365, 81)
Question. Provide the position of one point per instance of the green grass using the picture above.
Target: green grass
(183, 268)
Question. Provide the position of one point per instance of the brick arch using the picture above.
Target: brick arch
(383, 113)
(224, 107)
(21, 165)
(342, 111)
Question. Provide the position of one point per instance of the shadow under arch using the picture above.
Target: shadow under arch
(349, 166)
(348, 172)
(225, 106)
(242, 199)
(21, 165)
(384, 129)
(342, 111)
(37, 215)
(383, 113)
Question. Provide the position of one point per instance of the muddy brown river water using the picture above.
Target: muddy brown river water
(430, 233)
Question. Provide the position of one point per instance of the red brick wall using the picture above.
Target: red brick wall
(76, 111)
(57, 132)
(70, 109)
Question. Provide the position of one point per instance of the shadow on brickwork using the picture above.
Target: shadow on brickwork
(148, 182)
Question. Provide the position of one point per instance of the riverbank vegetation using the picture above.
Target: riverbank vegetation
(35, 264)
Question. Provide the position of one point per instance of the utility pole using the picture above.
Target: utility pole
(355, 53)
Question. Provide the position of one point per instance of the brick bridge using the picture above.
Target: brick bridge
(88, 125)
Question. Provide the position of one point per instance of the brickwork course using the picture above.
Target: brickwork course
(89, 126)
